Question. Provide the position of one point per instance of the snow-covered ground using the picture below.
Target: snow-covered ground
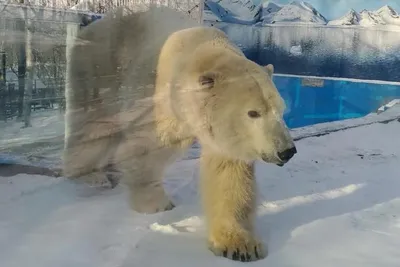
(336, 204)
(42, 144)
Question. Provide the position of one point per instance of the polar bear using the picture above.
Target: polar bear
(139, 92)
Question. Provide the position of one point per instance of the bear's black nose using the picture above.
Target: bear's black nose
(287, 154)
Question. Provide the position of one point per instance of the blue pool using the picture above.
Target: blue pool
(312, 100)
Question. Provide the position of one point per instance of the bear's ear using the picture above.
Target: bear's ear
(270, 69)
(207, 80)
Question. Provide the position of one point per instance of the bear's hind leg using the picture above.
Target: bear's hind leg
(143, 171)
(146, 192)
(86, 160)
(229, 199)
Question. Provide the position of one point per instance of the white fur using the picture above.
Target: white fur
(140, 122)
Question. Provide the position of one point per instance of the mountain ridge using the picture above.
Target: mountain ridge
(296, 12)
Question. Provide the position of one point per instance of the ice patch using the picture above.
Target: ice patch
(296, 50)
(190, 225)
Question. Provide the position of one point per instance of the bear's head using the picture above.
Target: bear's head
(235, 109)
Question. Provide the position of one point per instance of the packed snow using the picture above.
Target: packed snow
(336, 203)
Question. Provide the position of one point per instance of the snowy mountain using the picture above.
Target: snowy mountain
(269, 9)
(389, 15)
(370, 18)
(240, 11)
(351, 18)
(295, 12)
(252, 12)
(386, 15)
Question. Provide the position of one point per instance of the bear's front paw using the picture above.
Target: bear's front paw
(238, 248)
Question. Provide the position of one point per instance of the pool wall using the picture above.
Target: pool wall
(312, 100)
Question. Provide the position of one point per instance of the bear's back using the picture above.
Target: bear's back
(113, 62)
(120, 52)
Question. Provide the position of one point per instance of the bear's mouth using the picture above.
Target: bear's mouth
(275, 161)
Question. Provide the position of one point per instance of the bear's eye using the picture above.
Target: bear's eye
(253, 114)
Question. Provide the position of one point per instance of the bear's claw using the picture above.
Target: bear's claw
(252, 251)
(170, 206)
(150, 199)
(95, 179)
(151, 208)
(238, 256)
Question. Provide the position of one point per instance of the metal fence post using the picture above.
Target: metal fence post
(3, 91)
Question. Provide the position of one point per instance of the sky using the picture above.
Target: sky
(333, 9)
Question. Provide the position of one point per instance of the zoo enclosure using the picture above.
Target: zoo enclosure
(34, 41)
